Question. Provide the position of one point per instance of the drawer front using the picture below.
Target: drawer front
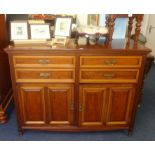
(44, 61)
(44, 75)
(109, 75)
(110, 61)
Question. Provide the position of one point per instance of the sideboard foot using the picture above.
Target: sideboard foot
(21, 132)
(130, 132)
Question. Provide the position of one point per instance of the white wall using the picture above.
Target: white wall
(81, 19)
(145, 24)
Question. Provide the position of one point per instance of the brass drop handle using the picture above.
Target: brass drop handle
(109, 75)
(45, 75)
(43, 61)
(72, 106)
(110, 62)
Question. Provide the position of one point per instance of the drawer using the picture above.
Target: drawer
(110, 61)
(44, 61)
(44, 75)
(109, 75)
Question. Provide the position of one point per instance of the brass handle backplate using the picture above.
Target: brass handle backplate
(45, 75)
(109, 75)
(43, 61)
(110, 62)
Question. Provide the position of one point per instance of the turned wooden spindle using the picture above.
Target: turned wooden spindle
(107, 25)
(130, 26)
(139, 19)
(107, 21)
(111, 24)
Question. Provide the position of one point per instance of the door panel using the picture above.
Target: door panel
(92, 100)
(120, 105)
(60, 104)
(32, 104)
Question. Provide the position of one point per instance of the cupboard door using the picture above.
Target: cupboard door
(60, 104)
(91, 108)
(120, 105)
(32, 104)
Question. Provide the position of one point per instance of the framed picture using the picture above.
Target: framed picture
(63, 27)
(19, 30)
(40, 31)
(93, 19)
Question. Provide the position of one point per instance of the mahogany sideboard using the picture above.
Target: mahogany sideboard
(87, 88)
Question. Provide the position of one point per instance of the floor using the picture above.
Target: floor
(144, 127)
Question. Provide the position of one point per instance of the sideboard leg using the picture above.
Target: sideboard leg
(21, 132)
(110, 22)
(139, 19)
(130, 132)
(130, 26)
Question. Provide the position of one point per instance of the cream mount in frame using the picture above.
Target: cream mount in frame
(63, 27)
(40, 31)
(19, 30)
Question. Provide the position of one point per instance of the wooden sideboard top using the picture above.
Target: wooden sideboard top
(118, 46)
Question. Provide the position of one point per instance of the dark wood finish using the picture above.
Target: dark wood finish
(130, 26)
(33, 105)
(61, 104)
(112, 61)
(5, 81)
(96, 103)
(44, 75)
(92, 102)
(109, 75)
(44, 61)
(139, 19)
(120, 105)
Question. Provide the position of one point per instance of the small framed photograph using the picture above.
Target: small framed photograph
(40, 31)
(63, 27)
(19, 30)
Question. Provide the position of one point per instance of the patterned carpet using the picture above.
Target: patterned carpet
(144, 126)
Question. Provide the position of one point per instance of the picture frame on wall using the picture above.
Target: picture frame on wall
(40, 31)
(63, 27)
(19, 30)
(93, 19)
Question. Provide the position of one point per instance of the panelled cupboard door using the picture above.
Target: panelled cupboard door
(91, 106)
(61, 104)
(121, 99)
(32, 104)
